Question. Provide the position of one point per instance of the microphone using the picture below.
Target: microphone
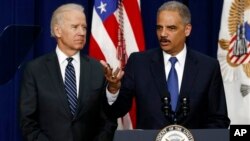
(171, 115)
(176, 117)
(185, 107)
(167, 107)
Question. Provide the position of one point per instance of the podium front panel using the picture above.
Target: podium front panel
(150, 135)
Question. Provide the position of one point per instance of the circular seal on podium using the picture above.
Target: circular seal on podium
(174, 133)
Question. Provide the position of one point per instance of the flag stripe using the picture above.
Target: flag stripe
(95, 50)
(130, 39)
(110, 24)
(234, 59)
(133, 12)
(103, 40)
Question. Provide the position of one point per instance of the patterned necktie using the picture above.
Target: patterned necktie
(70, 85)
(173, 83)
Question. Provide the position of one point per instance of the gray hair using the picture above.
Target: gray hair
(181, 8)
(57, 17)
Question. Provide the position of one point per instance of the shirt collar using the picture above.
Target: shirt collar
(62, 56)
(180, 56)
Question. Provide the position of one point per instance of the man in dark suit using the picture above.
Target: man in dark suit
(196, 99)
(62, 92)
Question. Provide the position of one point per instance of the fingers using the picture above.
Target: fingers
(115, 80)
(118, 73)
(107, 69)
(104, 64)
(110, 74)
(115, 73)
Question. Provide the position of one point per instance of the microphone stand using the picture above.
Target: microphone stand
(167, 109)
(184, 108)
(172, 115)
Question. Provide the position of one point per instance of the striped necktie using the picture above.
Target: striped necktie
(70, 85)
(173, 83)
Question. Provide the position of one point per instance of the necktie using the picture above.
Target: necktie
(173, 83)
(70, 85)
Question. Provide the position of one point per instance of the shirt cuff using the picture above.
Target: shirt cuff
(111, 97)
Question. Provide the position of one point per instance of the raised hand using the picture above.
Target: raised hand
(113, 77)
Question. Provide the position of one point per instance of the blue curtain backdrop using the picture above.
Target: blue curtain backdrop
(206, 16)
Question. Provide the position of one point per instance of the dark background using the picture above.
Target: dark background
(206, 16)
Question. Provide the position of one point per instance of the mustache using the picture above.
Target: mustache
(164, 40)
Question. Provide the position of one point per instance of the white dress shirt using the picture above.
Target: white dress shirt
(179, 65)
(63, 63)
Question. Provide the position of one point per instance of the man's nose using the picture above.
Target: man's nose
(164, 32)
(82, 31)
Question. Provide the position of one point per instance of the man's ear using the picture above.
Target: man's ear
(57, 30)
(188, 29)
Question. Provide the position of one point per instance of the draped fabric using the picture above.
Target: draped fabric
(234, 56)
(206, 15)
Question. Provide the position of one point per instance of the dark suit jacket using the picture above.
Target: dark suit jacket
(145, 79)
(44, 111)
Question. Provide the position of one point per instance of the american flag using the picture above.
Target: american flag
(116, 32)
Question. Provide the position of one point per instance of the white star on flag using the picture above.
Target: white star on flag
(102, 7)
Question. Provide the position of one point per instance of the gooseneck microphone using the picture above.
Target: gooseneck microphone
(167, 108)
(173, 116)
(170, 115)
(185, 106)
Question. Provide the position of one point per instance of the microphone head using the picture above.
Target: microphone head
(185, 106)
(166, 100)
(185, 100)
(167, 106)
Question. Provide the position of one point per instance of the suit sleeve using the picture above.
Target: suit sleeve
(28, 108)
(107, 125)
(107, 130)
(218, 117)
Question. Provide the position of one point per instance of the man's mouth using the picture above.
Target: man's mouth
(164, 41)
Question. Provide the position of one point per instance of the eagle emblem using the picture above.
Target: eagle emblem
(234, 48)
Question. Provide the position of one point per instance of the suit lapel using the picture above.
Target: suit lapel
(85, 72)
(158, 72)
(56, 77)
(189, 74)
